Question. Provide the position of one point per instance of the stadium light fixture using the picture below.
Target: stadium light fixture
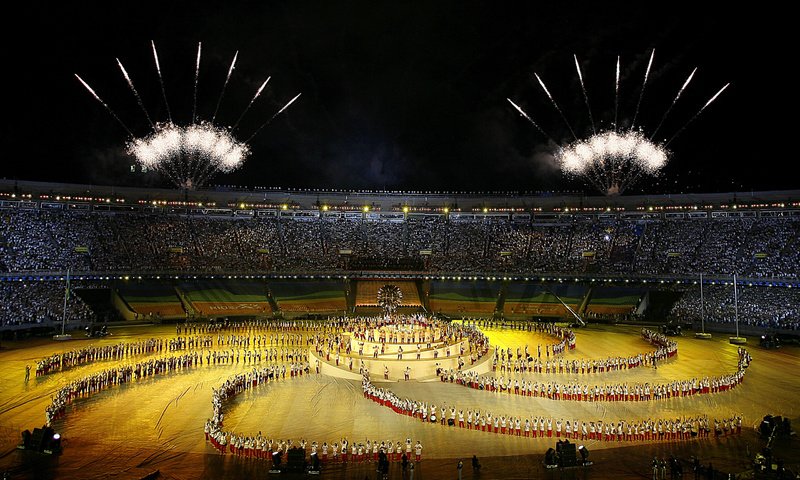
(366, 208)
(405, 209)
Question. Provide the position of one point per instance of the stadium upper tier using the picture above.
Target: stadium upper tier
(229, 200)
(54, 234)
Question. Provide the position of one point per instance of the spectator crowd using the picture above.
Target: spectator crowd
(36, 241)
(765, 307)
(42, 240)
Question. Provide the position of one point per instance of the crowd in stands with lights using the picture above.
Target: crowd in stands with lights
(35, 241)
(763, 307)
(26, 303)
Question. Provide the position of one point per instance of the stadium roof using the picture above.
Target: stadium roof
(416, 201)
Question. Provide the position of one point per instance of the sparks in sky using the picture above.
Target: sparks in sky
(610, 158)
(188, 155)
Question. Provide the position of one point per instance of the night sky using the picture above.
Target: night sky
(399, 95)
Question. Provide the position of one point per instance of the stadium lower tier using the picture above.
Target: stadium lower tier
(480, 298)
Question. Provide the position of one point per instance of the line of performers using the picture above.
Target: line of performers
(259, 446)
(602, 393)
(251, 326)
(126, 350)
(83, 356)
(91, 384)
(507, 361)
(670, 429)
(107, 378)
(123, 351)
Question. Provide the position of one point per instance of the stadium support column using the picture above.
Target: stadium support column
(187, 304)
(64, 336)
(572, 312)
(421, 291)
(273, 304)
(66, 297)
(350, 294)
(424, 294)
(585, 302)
(737, 340)
(703, 333)
(501, 300)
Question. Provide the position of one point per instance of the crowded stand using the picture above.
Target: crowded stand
(758, 306)
(38, 240)
(33, 303)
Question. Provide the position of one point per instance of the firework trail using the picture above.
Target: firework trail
(258, 92)
(135, 93)
(273, 117)
(714, 97)
(698, 113)
(616, 95)
(614, 158)
(644, 84)
(161, 80)
(522, 112)
(680, 92)
(188, 155)
(227, 78)
(97, 97)
(196, 79)
(585, 95)
(555, 105)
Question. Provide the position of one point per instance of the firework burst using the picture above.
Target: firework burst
(188, 155)
(613, 159)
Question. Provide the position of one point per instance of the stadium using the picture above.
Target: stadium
(520, 242)
(267, 260)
